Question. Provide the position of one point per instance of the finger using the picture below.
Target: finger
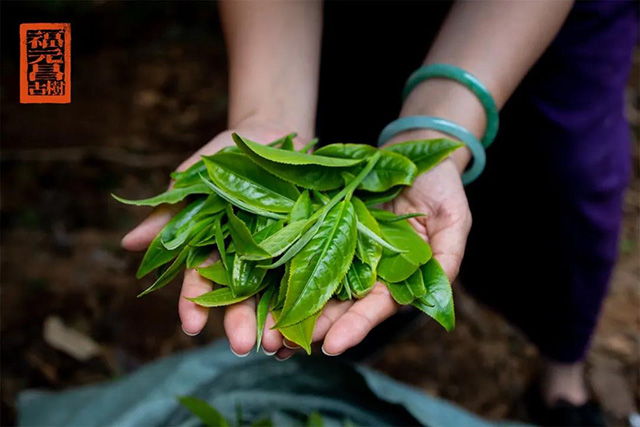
(240, 326)
(330, 314)
(139, 238)
(365, 314)
(271, 338)
(193, 316)
(284, 354)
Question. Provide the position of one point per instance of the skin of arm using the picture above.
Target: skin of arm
(498, 42)
(274, 57)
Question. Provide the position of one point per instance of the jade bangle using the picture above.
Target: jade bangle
(446, 71)
(445, 126)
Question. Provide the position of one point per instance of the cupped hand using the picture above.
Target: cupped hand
(440, 195)
(239, 319)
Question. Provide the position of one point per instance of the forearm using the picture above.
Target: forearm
(274, 55)
(496, 41)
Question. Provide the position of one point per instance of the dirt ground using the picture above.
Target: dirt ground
(134, 116)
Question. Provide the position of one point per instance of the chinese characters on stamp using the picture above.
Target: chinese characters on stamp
(45, 63)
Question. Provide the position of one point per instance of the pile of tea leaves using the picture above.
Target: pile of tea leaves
(295, 229)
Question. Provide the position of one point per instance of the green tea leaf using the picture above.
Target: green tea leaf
(261, 313)
(310, 176)
(315, 420)
(157, 255)
(438, 301)
(282, 289)
(190, 176)
(268, 231)
(172, 196)
(371, 199)
(290, 157)
(396, 267)
(169, 274)
(242, 238)
(379, 240)
(425, 154)
(406, 291)
(386, 216)
(197, 255)
(309, 145)
(218, 298)
(280, 241)
(185, 232)
(209, 415)
(343, 293)
(392, 169)
(360, 278)
(318, 268)
(238, 176)
(287, 144)
(320, 215)
(302, 209)
(215, 272)
(246, 277)
(416, 285)
(300, 333)
(367, 249)
(239, 203)
(400, 292)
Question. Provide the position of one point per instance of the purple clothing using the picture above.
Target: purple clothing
(567, 144)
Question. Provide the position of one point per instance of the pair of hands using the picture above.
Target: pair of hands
(342, 324)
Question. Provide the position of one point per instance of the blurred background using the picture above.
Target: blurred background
(148, 89)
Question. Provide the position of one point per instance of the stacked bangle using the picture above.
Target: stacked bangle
(452, 72)
(445, 126)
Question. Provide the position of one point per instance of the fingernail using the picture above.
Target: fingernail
(268, 353)
(239, 355)
(289, 346)
(283, 358)
(329, 354)
(187, 333)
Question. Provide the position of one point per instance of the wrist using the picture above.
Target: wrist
(449, 100)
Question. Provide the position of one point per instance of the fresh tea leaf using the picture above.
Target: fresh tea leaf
(392, 169)
(169, 274)
(425, 154)
(209, 415)
(222, 297)
(396, 267)
(367, 249)
(242, 238)
(360, 278)
(290, 157)
(302, 209)
(238, 176)
(246, 277)
(197, 255)
(172, 196)
(318, 268)
(239, 203)
(438, 301)
(261, 313)
(301, 333)
(215, 272)
(310, 176)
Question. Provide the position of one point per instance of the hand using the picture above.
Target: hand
(239, 319)
(439, 194)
